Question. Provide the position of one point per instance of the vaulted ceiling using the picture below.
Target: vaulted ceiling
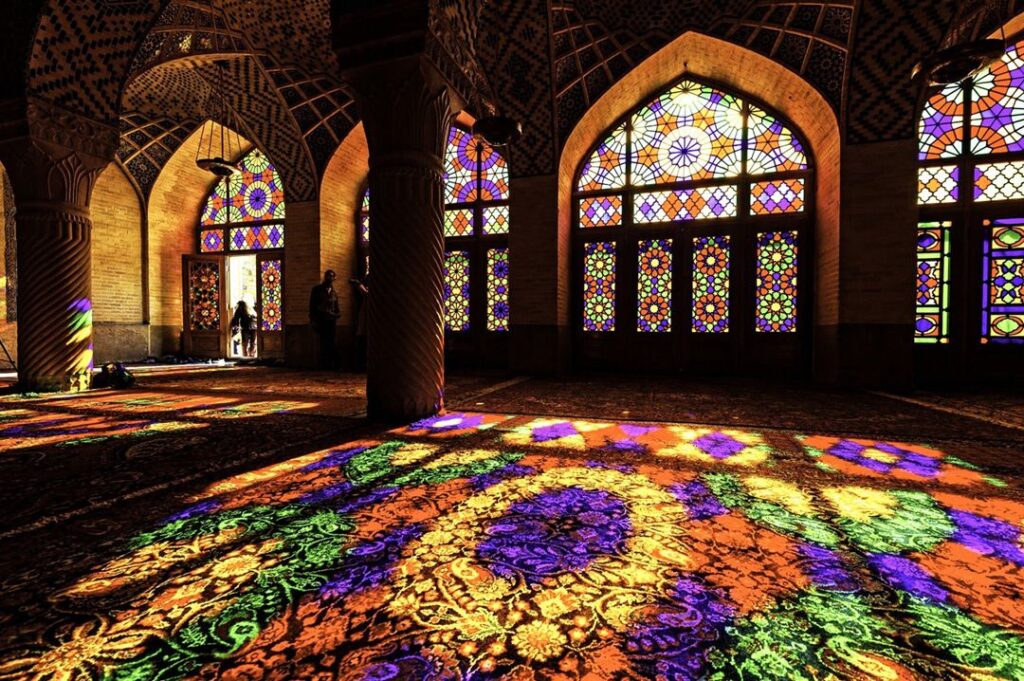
(159, 67)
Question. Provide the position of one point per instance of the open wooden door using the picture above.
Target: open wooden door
(270, 304)
(206, 316)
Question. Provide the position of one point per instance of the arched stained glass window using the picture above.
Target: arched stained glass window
(476, 227)
(245, 211)
(702, 179)
(971, 193)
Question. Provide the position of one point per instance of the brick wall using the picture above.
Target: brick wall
(340, 196)
(175, 204)
(8, 330)
(117, 256)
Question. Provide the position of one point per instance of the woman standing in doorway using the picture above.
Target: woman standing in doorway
(245, 321)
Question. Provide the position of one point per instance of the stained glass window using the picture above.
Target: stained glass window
(932, 322)
(364, 218)
(701, 203)
(979, 125)
(254, 195)
(711, 256)
(256, 238)
(599, 286)
(204, 296)
(270, 296)
(497, 289)
(244, 212)
(938, 184)
(654, 288)
(458, 222)
(776, 302)
(496, 220)
(692, 132)
(456, 290)
(693, 154)
(1002, 317)
(778, 196)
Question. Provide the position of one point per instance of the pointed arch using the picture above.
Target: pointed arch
(747, 73)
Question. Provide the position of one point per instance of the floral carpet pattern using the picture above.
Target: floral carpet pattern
(486, 546)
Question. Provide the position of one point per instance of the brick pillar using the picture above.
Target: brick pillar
(539, 271)
(878, 217)
(406, 111)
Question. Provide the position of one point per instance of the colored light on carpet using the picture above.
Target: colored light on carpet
(554, 549)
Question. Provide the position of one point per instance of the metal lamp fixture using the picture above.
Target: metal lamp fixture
(498, 131)
(962, 57)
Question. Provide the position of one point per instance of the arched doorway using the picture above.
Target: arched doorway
(239, 258)
(692, 226)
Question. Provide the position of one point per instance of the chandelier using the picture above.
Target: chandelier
(962, 54)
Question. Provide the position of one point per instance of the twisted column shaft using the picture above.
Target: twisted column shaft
(405, 108)
(54, 308)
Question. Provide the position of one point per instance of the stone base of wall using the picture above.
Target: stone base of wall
(165, 340)
(865, 355)
(302, 348)
(539, 350)
(112, 342)
(9, 335)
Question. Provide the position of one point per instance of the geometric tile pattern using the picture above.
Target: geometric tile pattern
(779, 196)
(685, 204)
(999, 181)
(938, 184)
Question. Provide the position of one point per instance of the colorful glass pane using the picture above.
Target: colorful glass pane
(999, 181)
(654, 286)
(256, 238)
(270, 296)
(496, 220)
(1002, 316)
(702, 203)
(601, 211)
(458, 222)
(938, 184)
(456, 291)
(776, 304)
(932, 322)
(941, 131)
(997, 105)
(364, 218)
(211, 241)
(691, 132)
(780, 196)
(497, 289)
(606, 167)
(460, 174)
(493, 173)
(599, 286)
(215, 212)
(257, 193)
(771, 146)
(711, 256)
(204, 296)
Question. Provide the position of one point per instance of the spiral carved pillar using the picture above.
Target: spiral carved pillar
(52, 187)
(405, 108)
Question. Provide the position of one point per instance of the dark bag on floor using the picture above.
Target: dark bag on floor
(114, 375)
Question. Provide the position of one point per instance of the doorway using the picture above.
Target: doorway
(241, 286)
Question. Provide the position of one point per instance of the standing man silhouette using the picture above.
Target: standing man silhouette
(323, 315)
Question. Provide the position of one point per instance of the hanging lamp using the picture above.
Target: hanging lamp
(961, 55)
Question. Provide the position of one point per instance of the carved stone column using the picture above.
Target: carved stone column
(406, 112)
(52, 187)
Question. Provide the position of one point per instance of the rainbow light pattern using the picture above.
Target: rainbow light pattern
(1002, 313)
(776, 299)
(932, 321)
(599, 287)
(654, 288)
(711, 255)
(456, 290)
(475, 546)
(497, 289)
(271, 298)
